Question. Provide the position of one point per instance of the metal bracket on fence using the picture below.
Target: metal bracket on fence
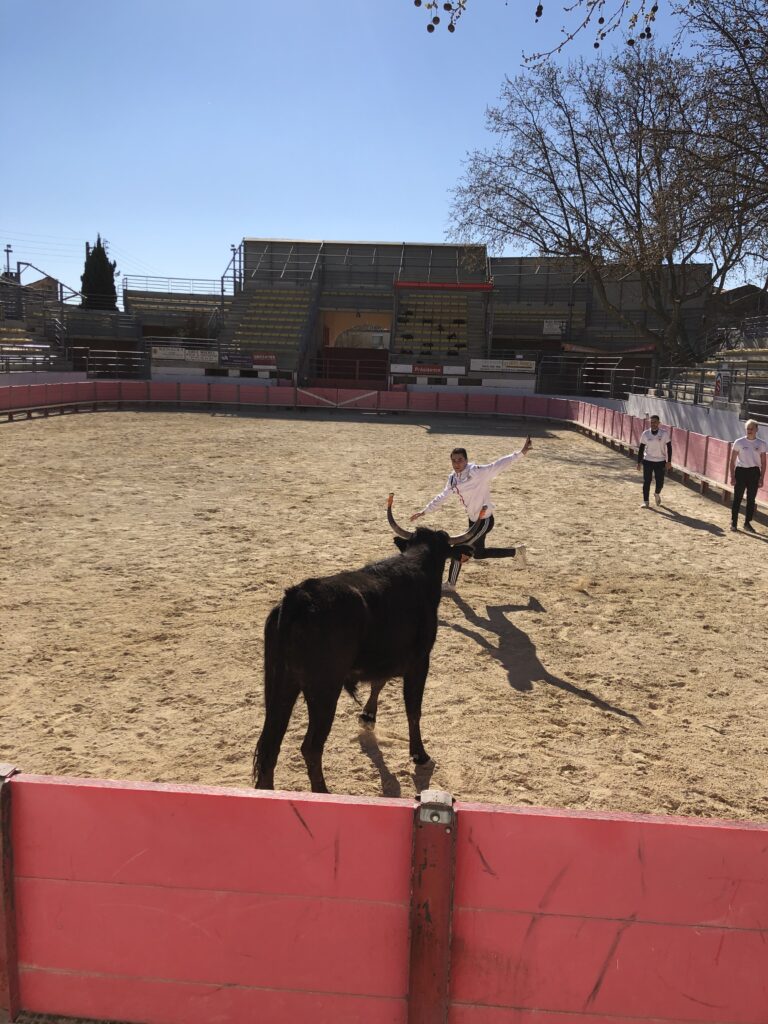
(9, 968)
(432, 874)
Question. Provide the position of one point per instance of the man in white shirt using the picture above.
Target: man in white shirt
(747, 473)
(654, 456)
(471, 483)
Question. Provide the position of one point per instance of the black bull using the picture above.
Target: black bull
(370, 624)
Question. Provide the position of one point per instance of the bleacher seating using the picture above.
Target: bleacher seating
(434, 325)
(523, 322)
(267, 320)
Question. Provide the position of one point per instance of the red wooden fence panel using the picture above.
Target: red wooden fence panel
(107, 390)
(510, 405)
(324, 398)
(696, 458)
(608, 917)
(481, 404)
(85, 390)
(254, 394)
(718, 456)
(679, 446)
(132, 390)
(535, 405)
(358, 399)
(224, 394)
(36, 394)
(281, 396)
(447, 402)
(559, 408)
(18, 396)
(148, 903)
(163, 391)
(194, 393)
(393, 400)
(422, 401)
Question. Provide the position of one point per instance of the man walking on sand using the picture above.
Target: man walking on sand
(471, 483)
(748, 457)
(653, 456)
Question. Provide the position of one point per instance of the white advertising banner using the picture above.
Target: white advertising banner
(554, 327)
(503, 365)
(185, 355)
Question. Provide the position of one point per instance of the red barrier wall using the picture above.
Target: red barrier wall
(188, 905)
(695, 454)
(718, 455)
(195, 905)
(607, 917)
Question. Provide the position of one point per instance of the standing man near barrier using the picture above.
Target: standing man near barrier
(654, 456)
(747, 473)
(471, 483)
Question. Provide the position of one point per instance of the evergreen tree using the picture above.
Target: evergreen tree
(98, 279)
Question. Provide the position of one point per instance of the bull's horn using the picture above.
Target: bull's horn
(405, 534)
(471, 533)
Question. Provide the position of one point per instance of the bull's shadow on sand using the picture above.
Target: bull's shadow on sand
(390, 784)
(516, 652)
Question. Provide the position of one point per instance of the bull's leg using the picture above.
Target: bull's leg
(322, 709)
(367, 716)
(413, 692)
(276, 719)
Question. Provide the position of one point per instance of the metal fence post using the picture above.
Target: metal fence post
(9, 968)
(432, 874)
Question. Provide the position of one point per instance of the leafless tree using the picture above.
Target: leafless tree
(613, 164)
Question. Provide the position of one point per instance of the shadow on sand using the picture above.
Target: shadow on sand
(517, 654)
(390, 785)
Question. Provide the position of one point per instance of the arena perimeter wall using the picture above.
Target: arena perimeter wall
(184, 905)
(695, 456)
(181, 905)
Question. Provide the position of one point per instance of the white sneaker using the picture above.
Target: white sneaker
(657, 498)
(521, 558)
(645, 505)
(448, 588)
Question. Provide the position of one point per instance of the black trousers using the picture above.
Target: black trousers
(479, 550)
(652, 469)
(747, 478)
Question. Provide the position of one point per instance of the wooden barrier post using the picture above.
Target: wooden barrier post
(432, 874)
(9, 978)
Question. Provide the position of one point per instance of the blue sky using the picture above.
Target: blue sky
(177, 127)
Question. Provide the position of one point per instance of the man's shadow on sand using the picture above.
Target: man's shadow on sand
(517, 654)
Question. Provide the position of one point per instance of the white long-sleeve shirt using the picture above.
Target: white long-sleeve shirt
(472, 486)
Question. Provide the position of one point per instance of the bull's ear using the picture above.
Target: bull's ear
(400, 543)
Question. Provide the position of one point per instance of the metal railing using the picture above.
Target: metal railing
(179, 285)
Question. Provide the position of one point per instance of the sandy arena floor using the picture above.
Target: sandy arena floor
(623, 670)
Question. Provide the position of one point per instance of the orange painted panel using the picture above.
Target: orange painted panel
(718, 456)
(610, 967)
(236, 839)
(142, 1000)
(664, 870)
(214, 936)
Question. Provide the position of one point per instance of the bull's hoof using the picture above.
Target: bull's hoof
(422, 761)
(366, 721)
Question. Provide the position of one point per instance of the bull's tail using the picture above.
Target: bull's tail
(280, 689)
